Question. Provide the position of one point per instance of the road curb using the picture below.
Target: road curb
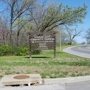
(66, 80)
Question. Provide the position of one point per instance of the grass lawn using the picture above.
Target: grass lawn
(64, 65)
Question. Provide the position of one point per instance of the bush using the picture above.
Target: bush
(5, 50)
(36, 52)
(22, 51)
(14, 50)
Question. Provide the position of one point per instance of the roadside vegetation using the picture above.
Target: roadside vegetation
(25, 16)
(64, 65)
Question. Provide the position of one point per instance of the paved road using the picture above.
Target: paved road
(78, 86)
(41, 87)
(70, 86)
(83, 51)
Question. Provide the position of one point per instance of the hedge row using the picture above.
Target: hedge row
(19, 51)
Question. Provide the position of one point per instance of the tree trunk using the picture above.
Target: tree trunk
(70, 42)
(17, 43)
(11, 35)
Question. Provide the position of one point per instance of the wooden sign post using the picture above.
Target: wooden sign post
(42, 41)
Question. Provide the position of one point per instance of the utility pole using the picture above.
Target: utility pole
(60, 41)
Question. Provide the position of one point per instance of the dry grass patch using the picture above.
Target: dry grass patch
(46, 67)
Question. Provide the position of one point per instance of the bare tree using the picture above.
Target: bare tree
(17, 8)
(41, 17)
(61, 35)
(72, 33)
(3, 31)
(87, 36)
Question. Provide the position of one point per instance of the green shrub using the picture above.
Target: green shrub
(22, 51)
(14, 50)
(36, 52)
(5, 50)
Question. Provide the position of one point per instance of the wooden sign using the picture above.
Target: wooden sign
(42, 41)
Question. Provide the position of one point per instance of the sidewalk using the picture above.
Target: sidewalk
(56, 84)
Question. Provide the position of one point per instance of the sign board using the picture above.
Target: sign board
(42, 41)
